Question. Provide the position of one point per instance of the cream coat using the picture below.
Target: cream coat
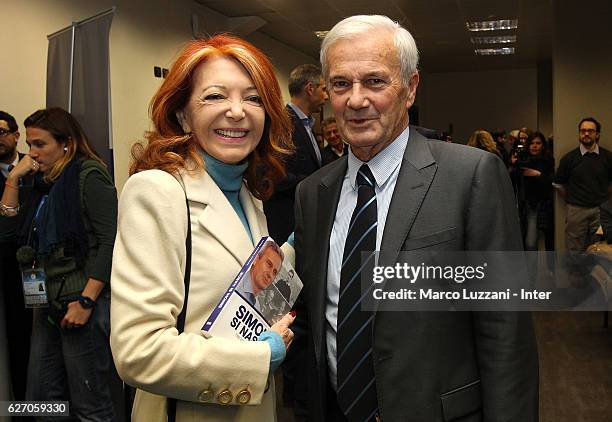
(148, 291)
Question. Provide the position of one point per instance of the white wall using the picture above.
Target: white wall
(491, 100)
(144, 33)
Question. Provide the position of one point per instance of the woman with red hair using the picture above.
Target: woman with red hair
(219, 138)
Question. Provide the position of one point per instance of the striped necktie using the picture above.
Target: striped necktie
(356, 383)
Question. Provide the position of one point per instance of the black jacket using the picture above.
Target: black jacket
(279, 208)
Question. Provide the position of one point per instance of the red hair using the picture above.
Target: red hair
(169, 148)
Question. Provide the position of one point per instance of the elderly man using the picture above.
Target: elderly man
(397, 191)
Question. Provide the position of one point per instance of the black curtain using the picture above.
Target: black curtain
(86, 70)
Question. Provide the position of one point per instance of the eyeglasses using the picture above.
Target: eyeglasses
(589, 131)
(4, 132)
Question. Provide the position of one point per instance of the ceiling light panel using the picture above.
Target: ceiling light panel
(497, 25)
(502, 39)
(494, 51)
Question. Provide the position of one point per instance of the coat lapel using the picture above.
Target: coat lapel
(416, 174)
(253, 209)
(219, 218)
(329, 189)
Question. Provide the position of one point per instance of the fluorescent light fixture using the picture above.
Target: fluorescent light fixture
(321, 34)
(494, 51)
(502, 39)
(492, 25)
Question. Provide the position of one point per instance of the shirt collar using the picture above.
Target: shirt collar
(583, 150)
(383, 164)
(4, 166)
(306, 120)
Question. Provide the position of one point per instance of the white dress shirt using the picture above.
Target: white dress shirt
(308, 122)
(385, 167)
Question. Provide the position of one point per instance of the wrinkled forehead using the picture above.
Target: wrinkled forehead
(376, 42)
(4, 125)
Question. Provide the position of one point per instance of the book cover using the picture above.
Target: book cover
(263, 291)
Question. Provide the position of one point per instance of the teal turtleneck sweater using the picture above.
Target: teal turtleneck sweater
(229, 179)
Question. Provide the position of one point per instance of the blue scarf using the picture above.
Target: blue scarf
(58, 217)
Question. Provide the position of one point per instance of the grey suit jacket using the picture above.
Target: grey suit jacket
(430, 366)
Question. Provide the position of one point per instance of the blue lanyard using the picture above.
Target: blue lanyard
(40, 205)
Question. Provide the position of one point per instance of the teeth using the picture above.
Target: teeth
(231, 133)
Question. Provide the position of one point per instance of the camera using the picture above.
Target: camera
(522, 155)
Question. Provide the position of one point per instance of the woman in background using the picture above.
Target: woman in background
(537, 212)
(68, 231)
(220, 135)
(483, 140)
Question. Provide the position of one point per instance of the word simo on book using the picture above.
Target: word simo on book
(247, 323)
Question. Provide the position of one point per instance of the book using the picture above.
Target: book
(263, 291)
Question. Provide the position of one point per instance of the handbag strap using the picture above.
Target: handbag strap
(180, 322)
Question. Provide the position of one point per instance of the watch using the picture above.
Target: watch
(86, 302)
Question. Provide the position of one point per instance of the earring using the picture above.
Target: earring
(65, 149)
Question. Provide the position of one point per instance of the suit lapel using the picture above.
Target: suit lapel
(218, 216)
(328, 196)
(416, 174)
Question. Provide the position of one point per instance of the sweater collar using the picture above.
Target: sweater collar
(227, 176)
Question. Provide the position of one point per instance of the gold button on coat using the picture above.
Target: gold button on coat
(206, 395)
(225, 397)
(243, 397)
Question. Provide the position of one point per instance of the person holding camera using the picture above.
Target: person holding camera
(66, 244)
(536, 166)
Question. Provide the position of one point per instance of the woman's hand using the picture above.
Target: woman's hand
(76, 316)
(25, 166)
(530, 172)
(513, 158)
(282, 328)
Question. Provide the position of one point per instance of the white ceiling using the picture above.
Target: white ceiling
(438, 26)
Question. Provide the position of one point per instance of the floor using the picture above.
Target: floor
(575, 368)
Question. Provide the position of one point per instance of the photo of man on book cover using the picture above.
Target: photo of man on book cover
(262, 274)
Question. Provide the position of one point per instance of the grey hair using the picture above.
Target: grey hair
(348, 28)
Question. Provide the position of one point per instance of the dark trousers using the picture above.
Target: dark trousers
(334, 414)
(74, 364)
(18, 319)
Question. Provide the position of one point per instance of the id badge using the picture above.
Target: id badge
(34, 288)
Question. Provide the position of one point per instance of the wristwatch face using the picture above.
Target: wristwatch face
(86, 302)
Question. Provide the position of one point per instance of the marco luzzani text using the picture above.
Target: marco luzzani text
(458, 274)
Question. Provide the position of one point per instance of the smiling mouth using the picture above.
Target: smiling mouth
(232, 133)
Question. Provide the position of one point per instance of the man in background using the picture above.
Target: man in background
(308, 94)
(583, 179)
(335, 146)
(18, 318)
